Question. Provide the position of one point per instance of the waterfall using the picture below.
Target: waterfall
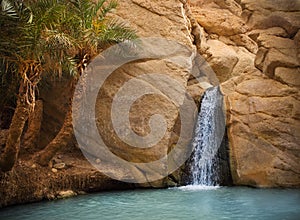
(209, 132)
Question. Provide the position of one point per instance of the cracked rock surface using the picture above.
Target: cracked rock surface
(261, 87)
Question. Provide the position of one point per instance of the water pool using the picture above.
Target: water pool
(188, 203)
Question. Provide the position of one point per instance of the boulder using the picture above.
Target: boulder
(245, 63)
(219, 21)
(290, 76)
(260, 58)
(274, 31)
(223, 59)
(263, 130)
(285, 45)
(270, 5)
(243, 40)
(231, 5)
(269, 13)
(276, 58)
(289, 21)
(159, 19)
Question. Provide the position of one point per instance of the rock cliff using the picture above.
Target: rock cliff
(163, 20)
(255, 53)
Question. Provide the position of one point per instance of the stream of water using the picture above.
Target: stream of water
(209, 131)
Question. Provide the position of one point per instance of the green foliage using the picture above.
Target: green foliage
(93, 29)
(50, 37)
(41, 38)
(52, 32)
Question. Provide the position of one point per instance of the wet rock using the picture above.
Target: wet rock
(66, 194)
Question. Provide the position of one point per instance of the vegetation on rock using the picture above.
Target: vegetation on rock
(48, 38)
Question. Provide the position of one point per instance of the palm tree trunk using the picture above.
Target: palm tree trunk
(31, 137)
(59, 142)
(10, 155)
(66, 133)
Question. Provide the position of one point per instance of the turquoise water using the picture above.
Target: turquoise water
(168, 204)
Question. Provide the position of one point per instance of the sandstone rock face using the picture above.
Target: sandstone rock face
(261, 89)
(288, 75)
(218, 21)
(158, 19)
(264, 128)
(245, 62)
(267, 13)
(228, 37)
(223, 59)
(165, 20)
(275, 26)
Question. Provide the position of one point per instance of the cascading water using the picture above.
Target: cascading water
(209, 132)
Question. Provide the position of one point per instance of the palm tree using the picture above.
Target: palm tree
(53, 36)
(25, 37)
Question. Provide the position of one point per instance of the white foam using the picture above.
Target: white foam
(198, 187)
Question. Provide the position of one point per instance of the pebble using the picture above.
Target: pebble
(66, 194)
(59, 166)
(54, 170)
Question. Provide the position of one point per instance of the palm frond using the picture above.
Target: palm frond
(8, 9)
(106, 9)
(48, 13)
(97, 7)
(115, 32)
(84, 9)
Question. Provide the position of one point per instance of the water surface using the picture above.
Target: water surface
(185, 203)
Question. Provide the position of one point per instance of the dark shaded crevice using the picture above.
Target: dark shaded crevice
(225, 177)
